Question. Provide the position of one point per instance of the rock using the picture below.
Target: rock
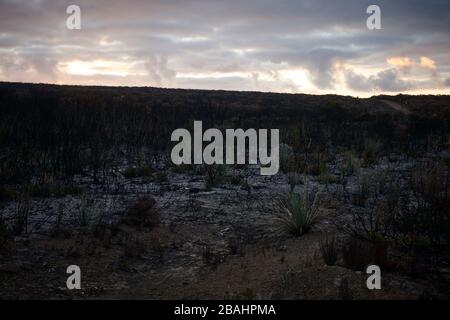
(194, 190)
(20, 239)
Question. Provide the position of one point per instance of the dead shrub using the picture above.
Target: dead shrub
(4, 236)
(144, 213)
(358, 254)
(431, 215)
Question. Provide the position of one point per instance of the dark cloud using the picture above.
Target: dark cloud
(159, 73)
(386, 81)
(320, 63)
(389, 80)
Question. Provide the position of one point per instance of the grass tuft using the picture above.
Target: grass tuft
(297, 213)
(329, 250)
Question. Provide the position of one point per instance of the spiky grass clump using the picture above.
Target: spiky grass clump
(329, 250)
(83, 214)
(297, 213)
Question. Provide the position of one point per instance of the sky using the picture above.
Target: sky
(295, 46)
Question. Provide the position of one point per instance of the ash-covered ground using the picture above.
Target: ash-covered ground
(168, 234)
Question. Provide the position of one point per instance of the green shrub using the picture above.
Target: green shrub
(182, 168)
(236, 180)
(430, 218)
(160, 176)
(318, 166)
(38, 190)
(414, 242)
(369, 154)
(287, 159)
(350, 164)
(297, 213)
(293, 180)
(21, 215)
(210, 257)
(326, 177)
(245, 185)
(48, 189)
(214, 175)
(83, 214)
(63, 190)
(363, 192)
(198, 170)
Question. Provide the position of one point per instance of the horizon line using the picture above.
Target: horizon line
(223, 90)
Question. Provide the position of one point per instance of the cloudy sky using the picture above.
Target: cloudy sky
(309, 46)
